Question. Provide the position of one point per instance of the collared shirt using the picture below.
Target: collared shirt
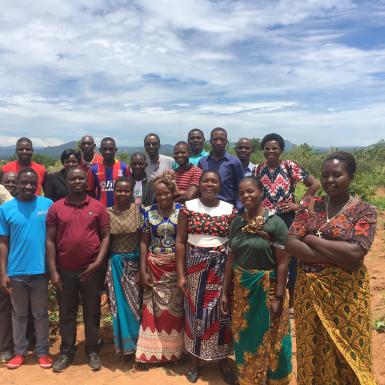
(78, 229)
(97, 158)
(249, 170)
(23, 222)
(194, 159)
(186, 178)
(5, 195)
(164, 163)
(231, 171)
(39, 168)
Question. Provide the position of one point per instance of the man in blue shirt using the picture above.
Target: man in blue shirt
(23, 272)
(196, 140)
(244, 149)
(229, 167)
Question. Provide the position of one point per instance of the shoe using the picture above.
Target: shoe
(94, 361)
(16, 362)
(5, 356)
(45, 362)
(61, 363)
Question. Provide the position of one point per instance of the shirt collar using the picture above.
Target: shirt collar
(226, 156)
(84, 203)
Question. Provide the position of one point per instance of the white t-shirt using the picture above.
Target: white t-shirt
(203, 240)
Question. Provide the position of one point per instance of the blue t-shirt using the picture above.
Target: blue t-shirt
(24, 223)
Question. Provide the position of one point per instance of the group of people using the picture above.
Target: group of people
(196, 252)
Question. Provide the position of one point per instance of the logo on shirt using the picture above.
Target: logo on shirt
(107, 185)
(120, 173)
(90, 213)
(41, 213)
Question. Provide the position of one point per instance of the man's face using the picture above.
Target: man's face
(10, 182)
(243, 150)
(196, 141)
(87, 145)
(181, 154)
(26, 186)
(152, 146)
(77, 180)
(108, 150)
(24, 152)
(138, 165)
(218, 142)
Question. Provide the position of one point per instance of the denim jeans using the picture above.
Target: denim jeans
(30, 290)
(68, 309)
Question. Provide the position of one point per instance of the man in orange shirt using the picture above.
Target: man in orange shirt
(24, 152)
(89, 155)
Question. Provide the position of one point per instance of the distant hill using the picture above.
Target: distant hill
(166, 149)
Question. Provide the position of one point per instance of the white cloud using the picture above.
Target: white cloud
(122, 68)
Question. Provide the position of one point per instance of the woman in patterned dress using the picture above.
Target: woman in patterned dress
(260, 313)
(123, 267)
(161, 327)
(201, 252)
(278, 179)
(331, 235)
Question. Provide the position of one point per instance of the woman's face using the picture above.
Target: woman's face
(335, 179)
(163, 195)
(70, 162)
(123, 193)
(249, 194)
(272, 151)
(209, 185)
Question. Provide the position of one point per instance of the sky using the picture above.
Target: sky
(310, 70)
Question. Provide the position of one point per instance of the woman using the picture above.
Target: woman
(203, 229)
(330, 236)
(123, 267)
(56, 187)
(160, 333)
(278, 179)
(186, 175)
(260, 316)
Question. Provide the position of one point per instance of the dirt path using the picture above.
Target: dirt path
(118, 372)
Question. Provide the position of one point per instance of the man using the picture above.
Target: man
(243, 149)
(156, 163)
(229, 167)
(10, 182)
(89, 155)
(6, 341)
(22, 266)
(102, 176)
(77, 243)
(143, 191)
(196, 140)
(24, 152)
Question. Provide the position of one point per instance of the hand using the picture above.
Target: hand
(89, 272)
(5, 283)
(146, 279)
(56, 280)
(288, 206)
(181, 283)
(276, 308)
(224, 304)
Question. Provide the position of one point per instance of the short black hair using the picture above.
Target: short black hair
(346, 157)
(27, 170)
(217, 129)
(127, 179)
(196, 129)
(107, 139)
(138, 153)
(68, 152)
(182, 143)
(23, 140)
(212, 171)
(272, 136)
(152, 134)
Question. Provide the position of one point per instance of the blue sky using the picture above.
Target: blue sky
(313, 71)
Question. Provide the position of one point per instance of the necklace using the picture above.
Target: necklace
(338, 212)
(167, 240)
(319, 232)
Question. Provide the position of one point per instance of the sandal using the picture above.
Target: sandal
(192, 375)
